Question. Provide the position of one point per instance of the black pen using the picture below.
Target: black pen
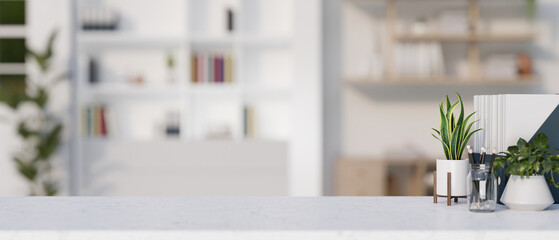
(482, 158)
(492, 160)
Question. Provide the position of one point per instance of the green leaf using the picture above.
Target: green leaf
(50, 188)
(513, 149)
(50, 143)
(444, 131)
(43, 59)
(41, 99)
(28, 170)
(521, 144)
(24, 132)
(468, 138)
(541, 140)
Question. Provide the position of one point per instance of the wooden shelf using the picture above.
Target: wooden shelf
(442, 80)
(250, 41)
(101, 40)
(110, 91)
(501, 37)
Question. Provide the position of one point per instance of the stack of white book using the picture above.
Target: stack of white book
(500, 66)
(505, 118)
(419, 60)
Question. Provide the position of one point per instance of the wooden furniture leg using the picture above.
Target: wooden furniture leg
(435, 187)
(448, 189)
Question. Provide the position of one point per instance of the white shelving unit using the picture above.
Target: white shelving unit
(267, 77)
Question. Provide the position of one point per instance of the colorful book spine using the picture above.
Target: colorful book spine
(228, 69)
(193, 69)
(94, 121)
(212, 68)
(249, 125)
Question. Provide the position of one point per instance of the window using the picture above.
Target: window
(12, 48)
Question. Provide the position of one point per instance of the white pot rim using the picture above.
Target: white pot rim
(441, 159)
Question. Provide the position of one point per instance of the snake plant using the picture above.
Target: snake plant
(454, 133)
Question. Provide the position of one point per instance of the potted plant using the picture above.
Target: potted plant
(41, 132)
(454, 133)
(526, 164)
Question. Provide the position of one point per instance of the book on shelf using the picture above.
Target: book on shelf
(419, 60)
(249, 128)
(94, 121)
(212, 68)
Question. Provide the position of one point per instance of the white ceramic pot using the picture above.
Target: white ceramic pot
(527, 194)
(459, 172)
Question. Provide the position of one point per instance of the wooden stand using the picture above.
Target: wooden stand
(448, 196)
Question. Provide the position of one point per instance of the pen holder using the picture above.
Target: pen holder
(482, 192)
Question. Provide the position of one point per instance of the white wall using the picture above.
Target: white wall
(397, 120)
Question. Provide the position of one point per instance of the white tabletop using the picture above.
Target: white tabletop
(247, 217)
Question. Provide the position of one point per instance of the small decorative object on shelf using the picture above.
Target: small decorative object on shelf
(99, 19)
(171, 68)
(93, 70)
(230, 22)
(172, 128)
(524, 65)
(454, 133)
(526, 164)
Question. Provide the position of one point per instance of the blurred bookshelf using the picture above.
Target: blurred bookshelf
(189, 79)
(463, 42)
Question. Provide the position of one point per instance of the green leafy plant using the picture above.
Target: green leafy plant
(454, 132)
(41, 131)
(525, 159)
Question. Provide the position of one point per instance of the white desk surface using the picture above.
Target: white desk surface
(270, 217)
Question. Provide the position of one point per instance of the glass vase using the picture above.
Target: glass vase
(482, 189)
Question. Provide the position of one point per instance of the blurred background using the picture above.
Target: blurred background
(251, 97)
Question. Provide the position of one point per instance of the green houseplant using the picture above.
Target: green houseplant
(41, 131)
(526, 163)
(454, 133)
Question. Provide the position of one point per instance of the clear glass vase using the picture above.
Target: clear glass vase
(482, 189)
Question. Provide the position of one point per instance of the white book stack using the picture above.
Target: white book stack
(505, 118)
(419, 60)
(500, 66)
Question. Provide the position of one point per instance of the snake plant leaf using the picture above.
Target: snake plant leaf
(449, 118)
(446, 149)
(444, 130)
(468, 138)
(454, 130)
(448, 104)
